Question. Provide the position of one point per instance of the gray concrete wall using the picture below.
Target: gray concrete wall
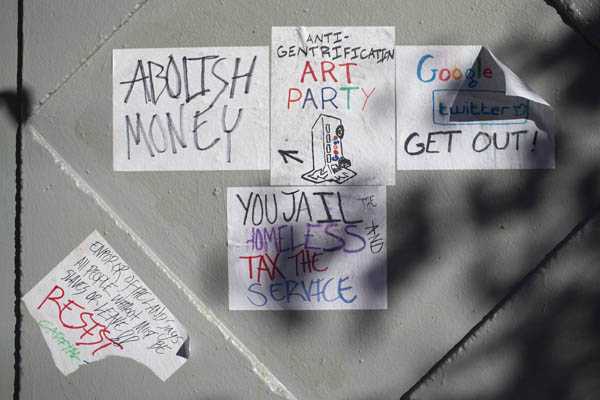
(458, 241)
(541, 341)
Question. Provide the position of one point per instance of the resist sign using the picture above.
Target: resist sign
(191, 109)
(92, 305)
(307, 248)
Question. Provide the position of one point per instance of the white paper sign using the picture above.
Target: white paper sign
(459, 107)
(307, 248)
(332, 106)
(92, 305)
(191, 109)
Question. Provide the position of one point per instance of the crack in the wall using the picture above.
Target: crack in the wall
(455, 351)
(258, 367)
(578, 20)
(138, 6)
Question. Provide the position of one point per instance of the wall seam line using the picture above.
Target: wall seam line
(87, 58)
(516, 288)
(260, 369)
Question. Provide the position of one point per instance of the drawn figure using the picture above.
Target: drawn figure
(326, 135)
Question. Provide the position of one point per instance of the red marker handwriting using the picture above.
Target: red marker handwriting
(86, 322)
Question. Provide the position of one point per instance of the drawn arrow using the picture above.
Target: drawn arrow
(288, 153)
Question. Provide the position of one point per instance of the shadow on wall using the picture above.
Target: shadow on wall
(553, 361)
(558, 350)
(549, 346)
(490, 204)
(411, 227)
(550, 339)
(409, 243)
(10, 100)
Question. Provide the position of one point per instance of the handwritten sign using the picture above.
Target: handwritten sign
(459, 107)
(92, 305)
(307, 248)
(332, 106)
(191, 109)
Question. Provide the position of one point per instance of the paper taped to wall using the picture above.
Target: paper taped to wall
(191, 109)
(92, 305)
(307, 248)
(459, 107)
(332, 106)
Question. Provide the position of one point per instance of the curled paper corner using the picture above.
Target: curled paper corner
(539, 110)
(92, 306)
(510, 84)
(509, 91)
(514, 86)
(178, 359)
(184, 350)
